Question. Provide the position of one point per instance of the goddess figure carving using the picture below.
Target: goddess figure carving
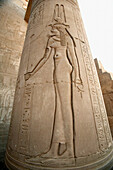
(58, 102)
(61, 47)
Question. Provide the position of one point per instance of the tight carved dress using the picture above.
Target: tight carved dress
(62, 139)
(60, 47)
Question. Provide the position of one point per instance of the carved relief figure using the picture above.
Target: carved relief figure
(6, 110)
(61, 47)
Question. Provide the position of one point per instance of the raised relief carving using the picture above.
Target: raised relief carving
(94, 98)
(7, 102)
(61, 46)
(101, 102)
(103, 132)
(53, 126)
(25, 121)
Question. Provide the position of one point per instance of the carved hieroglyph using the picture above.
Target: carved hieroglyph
(58, 112)
(106, 82)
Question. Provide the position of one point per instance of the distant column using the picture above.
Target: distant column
(12, 34)
(59, 119)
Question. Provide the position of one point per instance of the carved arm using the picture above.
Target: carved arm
(39, 64)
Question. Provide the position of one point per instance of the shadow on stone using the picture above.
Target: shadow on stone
(3, 166)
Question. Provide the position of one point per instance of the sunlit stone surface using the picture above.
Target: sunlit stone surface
(59, 119)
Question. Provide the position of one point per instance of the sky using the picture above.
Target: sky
(97, 16)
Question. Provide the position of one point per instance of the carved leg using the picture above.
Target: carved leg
(64, 90)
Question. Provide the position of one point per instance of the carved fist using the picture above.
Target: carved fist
(80, 87)
(27, 76)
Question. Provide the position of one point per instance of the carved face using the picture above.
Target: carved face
(54, 29)
(60, 28)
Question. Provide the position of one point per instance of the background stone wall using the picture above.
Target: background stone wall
(12, 34)
(106, 82)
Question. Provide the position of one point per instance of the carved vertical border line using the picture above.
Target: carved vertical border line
(92, 85)
(101, 101)
(98, 89)
(94, 99)
(25, 120)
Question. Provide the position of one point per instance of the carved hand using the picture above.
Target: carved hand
(27, 76)
(80, 87)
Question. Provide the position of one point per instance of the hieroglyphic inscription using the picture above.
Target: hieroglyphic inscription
(101, 122)
(99, 94)
(36, 18)
(101, 102)
(94, 98)
(25, 120)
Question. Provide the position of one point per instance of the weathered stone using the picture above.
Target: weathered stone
(12, 33)
(106, 82)
(59, 119)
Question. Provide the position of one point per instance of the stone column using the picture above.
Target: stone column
(12, 34)
(59, 119)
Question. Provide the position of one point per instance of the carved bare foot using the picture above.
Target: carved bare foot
(27, 76)
(52, 153)
(40, 158)
(66, 150)
(67, 154)
(51, 161)
(65, 162)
